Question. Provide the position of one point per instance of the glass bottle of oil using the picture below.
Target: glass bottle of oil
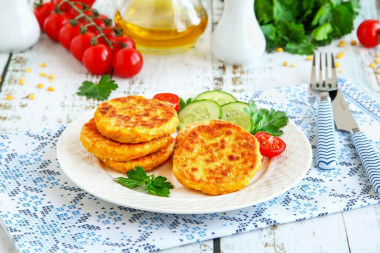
(162, 26)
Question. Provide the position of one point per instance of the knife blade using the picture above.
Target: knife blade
(344, 120)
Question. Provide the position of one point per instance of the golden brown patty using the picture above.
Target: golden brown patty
(103, 147)
(148, 162)
(218, 157)
(185, 130)
(135, 119)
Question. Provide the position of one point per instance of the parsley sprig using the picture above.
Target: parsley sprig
(264, 120)
(100, 91)
(154, 185)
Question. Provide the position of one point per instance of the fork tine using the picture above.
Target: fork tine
(334, 79)
(321, 81)
(327, 79)
(313, 78)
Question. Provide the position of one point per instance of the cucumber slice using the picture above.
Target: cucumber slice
(218, 96)
(235, 113)
(202, 110)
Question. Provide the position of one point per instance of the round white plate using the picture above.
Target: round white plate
(277, 175)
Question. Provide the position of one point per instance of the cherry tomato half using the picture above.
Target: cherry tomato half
(170, 98)
(97, 59)
(80, 43)
(53, 24)
(67, 34)
(369, 33)
(127, 62)
(42, 12)
(270, 146)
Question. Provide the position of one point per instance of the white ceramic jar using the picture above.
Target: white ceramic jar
(19, 27)
(238, 39)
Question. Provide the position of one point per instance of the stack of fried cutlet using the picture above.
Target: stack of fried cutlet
(131, 131)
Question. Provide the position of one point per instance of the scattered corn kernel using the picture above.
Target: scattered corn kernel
(279, 49)
(31, 96)
(377, 55)
(372, 65)
(340, 55)
(378, 70)
(293, 65)
(337, 64)
(309, 58)
(51, 76)
(377, 60)
(43, 65)
(40, 86)
(9, 97)
(0, 80)
(342, 42)
(50, 88)
(42, 74)
(285, 63)
(21, 81)
(28, 70)
(354, 43)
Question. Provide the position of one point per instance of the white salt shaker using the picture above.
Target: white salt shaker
(238, 39)
(19, 27)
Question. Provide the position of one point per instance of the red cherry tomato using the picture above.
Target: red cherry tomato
(97, 59)
(65, 7)
(121, 39)
(53, 23)
(80, 43)
(99, 20)
(369, 33)
(171, 99)
(42, 12)
(270, 146)
(67, 33)
(127, 62)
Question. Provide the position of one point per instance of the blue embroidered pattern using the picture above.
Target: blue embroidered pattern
(44, 211)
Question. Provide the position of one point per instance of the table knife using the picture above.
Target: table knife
(345, 121)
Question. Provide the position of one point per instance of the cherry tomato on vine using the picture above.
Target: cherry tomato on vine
(42, 12)
(98, 59)
(369, 33)
(169, 98)
(65, 7)
(121, 39)
(270, 146)
(127, 62)
(67, 33)
(80, 43)
(99, 21)
(54, 22)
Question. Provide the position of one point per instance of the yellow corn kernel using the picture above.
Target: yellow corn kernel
(354, 43)
(43, 65)
(21, 81)
(31, 96)
(309, 58)
(378, 70)
(51, 76)
(377, 60)
(372, 65)
(1, 79)
(285, 63)
(9, 97)
(377, 55)
(40, 86)
(50, 88)
(337, 64)
(293, 65)
(279, 49)
(28, 70)
(42, 74)
(340, 55)
(342, 42)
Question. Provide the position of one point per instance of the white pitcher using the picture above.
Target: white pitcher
(238, 39)
(19, 28)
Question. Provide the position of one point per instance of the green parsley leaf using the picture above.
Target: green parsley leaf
(264, 120)
(154, 185)
(100, 91)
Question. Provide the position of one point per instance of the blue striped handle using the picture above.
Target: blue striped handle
(327, 150)
(369, 157)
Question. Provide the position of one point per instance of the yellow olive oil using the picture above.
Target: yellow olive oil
(162, 26)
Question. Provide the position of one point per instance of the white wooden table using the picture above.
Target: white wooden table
(197, 70)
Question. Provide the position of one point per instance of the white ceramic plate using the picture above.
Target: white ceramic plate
(277, 175)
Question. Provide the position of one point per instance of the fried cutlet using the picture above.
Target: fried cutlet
(148, 162)
(135, 119)
(184, 131)
(218, 157)
(101, 146)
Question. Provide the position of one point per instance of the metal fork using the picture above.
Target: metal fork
(327, 151)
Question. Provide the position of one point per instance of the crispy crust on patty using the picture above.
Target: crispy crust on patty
(185, 130)
(103, 147)
(135, 119)
(216, 158)
(148, 162)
